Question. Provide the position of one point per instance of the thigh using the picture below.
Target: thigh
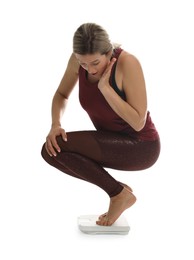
(83, 143)
(102, 146)
(111, 150)
(123, 152)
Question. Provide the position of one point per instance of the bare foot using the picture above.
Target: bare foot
(124, 185)
(118, 204)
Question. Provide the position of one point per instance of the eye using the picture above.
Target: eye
(96, 63)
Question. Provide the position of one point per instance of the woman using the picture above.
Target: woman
(112, 91)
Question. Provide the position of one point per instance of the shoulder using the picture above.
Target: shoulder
(128, 61)
(129, 68)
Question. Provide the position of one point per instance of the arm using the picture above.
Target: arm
(59, 103)
(63, 92)
(134, 109)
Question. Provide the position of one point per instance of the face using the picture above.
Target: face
(95, 64)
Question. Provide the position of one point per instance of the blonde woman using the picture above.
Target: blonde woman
(112, 91)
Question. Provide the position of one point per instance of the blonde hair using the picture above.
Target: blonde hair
(91, 38)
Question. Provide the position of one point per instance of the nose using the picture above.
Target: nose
(91, 70)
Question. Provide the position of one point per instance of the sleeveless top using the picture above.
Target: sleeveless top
(100, 112)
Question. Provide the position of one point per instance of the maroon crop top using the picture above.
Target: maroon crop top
(100, 112)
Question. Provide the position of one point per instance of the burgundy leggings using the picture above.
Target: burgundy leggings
(87, 153)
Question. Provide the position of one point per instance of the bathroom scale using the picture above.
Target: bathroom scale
(87, 224)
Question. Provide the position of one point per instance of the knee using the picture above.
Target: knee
(62, 144)
(49, 159)
(44, 154)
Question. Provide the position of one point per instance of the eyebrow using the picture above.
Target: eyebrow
(97, 60)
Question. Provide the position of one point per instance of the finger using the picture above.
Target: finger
(47, 149)
(113, 60)
(64, 136)
(50, 148)
(112, 63)
(55, 145)
(109, 67)
(52, 145)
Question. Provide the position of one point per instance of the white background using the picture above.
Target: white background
(39, 206)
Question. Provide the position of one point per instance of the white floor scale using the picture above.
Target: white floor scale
(87, 224)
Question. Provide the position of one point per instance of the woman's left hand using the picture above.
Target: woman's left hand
(104, 80)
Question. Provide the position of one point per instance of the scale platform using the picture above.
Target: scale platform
(87, 224)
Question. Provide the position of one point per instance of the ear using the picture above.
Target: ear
(109, 55)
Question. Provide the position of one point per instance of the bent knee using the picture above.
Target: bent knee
(45, 154)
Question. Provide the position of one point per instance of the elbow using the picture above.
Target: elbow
(60, 95)
(140, 124)
(138, 128)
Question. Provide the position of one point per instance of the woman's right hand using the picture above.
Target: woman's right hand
(51, 144)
